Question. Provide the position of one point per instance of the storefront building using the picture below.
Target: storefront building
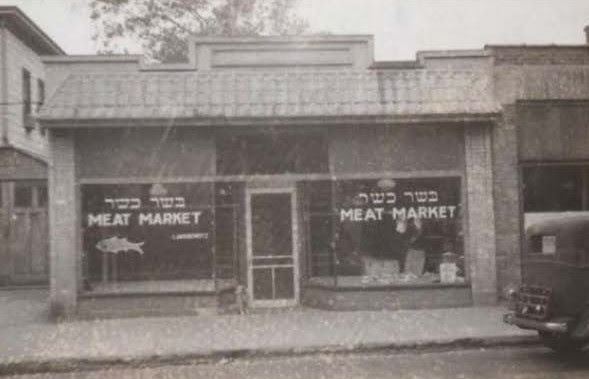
(273, 172)
(541, 154)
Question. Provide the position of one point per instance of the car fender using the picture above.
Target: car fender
(581, 329)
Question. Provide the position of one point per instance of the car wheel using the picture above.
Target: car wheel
(560, 342)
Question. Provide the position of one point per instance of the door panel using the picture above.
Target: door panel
(263, 283)
(20, 242)
(284, 283)
(272, 248)
(39, 242)
(271, 224)
(24, 242)
(5, 260)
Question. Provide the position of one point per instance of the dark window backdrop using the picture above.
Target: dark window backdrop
(26, 95)
(274, 153)
(557, 188)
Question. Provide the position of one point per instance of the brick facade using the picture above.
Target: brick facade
(506, 201)
(538, 75)
(480, 215)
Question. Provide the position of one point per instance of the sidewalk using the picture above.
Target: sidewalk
(30, 343)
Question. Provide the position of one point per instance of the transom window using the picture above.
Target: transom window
(271, 154)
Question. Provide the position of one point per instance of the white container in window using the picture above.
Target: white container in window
(448, 272)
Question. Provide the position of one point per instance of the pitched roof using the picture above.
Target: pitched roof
(28, 31)
(270, 94)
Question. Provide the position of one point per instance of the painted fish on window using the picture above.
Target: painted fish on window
(117, 245)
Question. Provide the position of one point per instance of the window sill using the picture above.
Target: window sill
(156, 288)
(359, 283)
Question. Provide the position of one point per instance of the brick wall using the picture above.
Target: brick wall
(506, 206)
(553, 130)
(546, 74)
(541, 55)
(481, 243)
(64, 230)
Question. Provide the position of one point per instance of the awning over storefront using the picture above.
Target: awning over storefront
(228, 96)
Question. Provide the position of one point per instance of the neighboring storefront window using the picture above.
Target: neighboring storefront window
(148, 231)
(390, 231)
(552, 192)
(30, 194)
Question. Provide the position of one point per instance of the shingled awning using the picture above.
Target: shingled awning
(270, 94)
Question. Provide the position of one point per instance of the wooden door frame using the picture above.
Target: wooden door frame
(295, 247)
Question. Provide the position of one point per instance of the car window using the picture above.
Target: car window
(544, 244)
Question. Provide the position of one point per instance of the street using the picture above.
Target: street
(496, 363)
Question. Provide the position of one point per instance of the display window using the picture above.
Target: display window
(386, 231)
(138, 232)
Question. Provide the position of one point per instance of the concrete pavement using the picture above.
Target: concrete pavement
(29, 342)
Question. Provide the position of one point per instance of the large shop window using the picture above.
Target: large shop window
(385, 232)
(271, 154)
(553, 194)
(139, 232)
(556, 188)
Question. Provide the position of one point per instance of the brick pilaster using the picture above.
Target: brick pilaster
(63, 225)
(480, 214)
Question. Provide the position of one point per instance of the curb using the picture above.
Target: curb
(28, 287)
(94, 364)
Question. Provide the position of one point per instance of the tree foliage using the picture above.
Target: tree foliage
(163, 27)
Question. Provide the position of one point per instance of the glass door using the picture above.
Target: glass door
(272, 247)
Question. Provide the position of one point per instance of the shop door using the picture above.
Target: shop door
(272, 248)
(24, 233)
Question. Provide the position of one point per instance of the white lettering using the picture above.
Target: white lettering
(196, 216)
(109, 219)
(169, 218)
(379, 212)
(451, 208)
(443, 211)
(399, 213)
(94, 220)
(190, 236)
(370, 215)
(411, 213)
(346, 214)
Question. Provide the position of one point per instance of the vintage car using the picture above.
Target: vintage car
(554, 296)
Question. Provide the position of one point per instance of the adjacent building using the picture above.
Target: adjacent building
(23, 150)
